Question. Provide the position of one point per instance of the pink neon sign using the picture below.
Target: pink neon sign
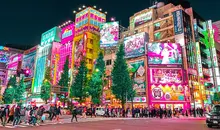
(67, 33)
(216, 33)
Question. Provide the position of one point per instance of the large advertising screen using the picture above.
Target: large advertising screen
(169, 92)
(143, 18)
(67, 33)
(109, 34)
(135, 45)
(28, 63)
(166, 76)
(164, 53)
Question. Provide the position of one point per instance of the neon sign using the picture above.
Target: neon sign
(4, 48)
(67, 33)
(199, 60)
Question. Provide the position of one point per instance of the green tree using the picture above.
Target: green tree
(216, 97)
(79, 88)
(122, 84)
(64, 80)
(9, 93)
(96, 82)
(46, 87)
(19, 91)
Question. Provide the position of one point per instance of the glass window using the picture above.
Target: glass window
(108, 62)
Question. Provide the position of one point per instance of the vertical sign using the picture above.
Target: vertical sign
(199, 60)
(178, 22)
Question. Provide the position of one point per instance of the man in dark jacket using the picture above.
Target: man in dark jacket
(5, 115)
(17, 115)
(74, 113)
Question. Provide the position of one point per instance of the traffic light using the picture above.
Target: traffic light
(26, 72)
(208, 85)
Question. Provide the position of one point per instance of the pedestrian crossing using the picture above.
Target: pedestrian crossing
(10, 126)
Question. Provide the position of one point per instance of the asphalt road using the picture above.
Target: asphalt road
(128, 124)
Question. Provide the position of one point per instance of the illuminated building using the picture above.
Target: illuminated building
(46, 56)
(9, 64)
(170, 24)
(66, 49)
(87, 37)
(28, 62)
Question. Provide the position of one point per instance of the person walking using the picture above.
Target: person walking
(11, 114)
(5, 115)
(17, 115)
(2, 114)
(58, 113)
(22, 116)
(74, 114)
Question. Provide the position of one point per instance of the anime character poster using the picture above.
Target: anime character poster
(164, 53)
(109, 34)
(135, 45)
(79, 52)
(28, 63)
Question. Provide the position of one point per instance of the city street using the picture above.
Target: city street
(120, 124)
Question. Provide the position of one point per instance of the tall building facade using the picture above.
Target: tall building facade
(87, 37)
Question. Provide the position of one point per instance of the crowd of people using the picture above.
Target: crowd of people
(34, 115)
(31, 116)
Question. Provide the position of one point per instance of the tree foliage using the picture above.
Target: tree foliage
(79, 88)
(46, 87)
(8, 95)
(96, 82)
(122, 84)
(19, 91)
(64, 80)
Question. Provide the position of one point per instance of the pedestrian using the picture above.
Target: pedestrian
(58, 113)
(2, 114)
(84, 112)
(11, 114)
(74, 114)
(17, 115)
(22, 117)
(5, 115)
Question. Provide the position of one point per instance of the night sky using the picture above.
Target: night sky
(23, 21)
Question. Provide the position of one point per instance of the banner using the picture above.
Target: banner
(178, 22)
(135, 45)
(164, 53)
(166, 76)
(109, 34)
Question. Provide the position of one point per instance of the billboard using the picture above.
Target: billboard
(4, 57)
(169, 92)
(28, 63)
(139, 85)
(142, 18)
(216, 33)
(109, 34)
(166, 76)
(52, 35)
(164, 53)
(178, 22)
(67, 33)
(79, 52)
(135, 45)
